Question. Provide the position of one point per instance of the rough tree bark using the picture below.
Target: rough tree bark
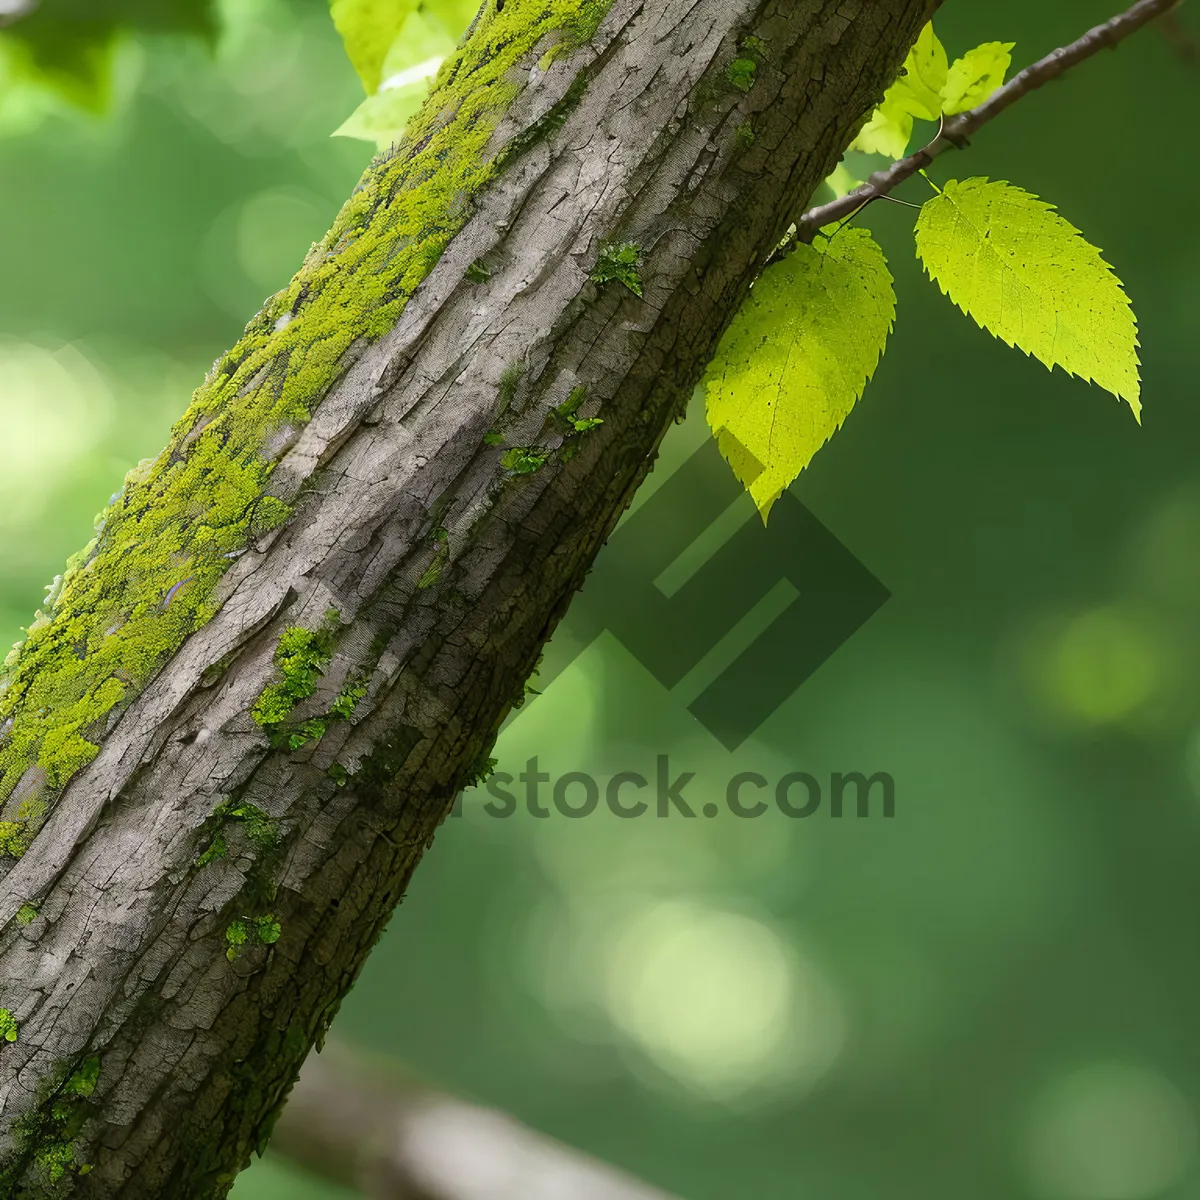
(160, 1020)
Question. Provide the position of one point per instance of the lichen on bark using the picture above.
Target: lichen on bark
(195, 817)
(146, 581)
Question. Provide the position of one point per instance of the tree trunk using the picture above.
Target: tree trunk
(301, 627)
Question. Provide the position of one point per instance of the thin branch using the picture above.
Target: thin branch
(13, 10)
(394, 1138)
(956, 130)
(1181, 38)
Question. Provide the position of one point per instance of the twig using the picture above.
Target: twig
(14, 10)
(1185, 43)
(396, 1139)
(956, 130)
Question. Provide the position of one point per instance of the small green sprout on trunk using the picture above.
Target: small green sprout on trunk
(244, 932)
(620, 263)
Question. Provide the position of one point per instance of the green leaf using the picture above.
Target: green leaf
(976, 76)
(797, 357)
(368, 29)
(411, 61)
(620, 264)
(382, 118)
(888, 131)
(1025, 274)
(926, 72)
(419, 48)
(842, 182)
(917, 93)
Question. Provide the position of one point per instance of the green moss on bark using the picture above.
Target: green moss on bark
(46, 1149)
(147, 580)
(301, 658)
(620, 263)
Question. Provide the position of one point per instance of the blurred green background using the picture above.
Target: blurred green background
(993, 994)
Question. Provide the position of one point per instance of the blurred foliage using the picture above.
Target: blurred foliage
(69, 45)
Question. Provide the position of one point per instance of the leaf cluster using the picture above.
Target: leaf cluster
(620, 263)
(798, 356)
(931, 87)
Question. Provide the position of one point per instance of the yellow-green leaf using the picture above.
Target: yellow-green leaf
(973, 78)
(926, 72)
(1025, 274)
(797, 357)
(842, 182)
(917, 93)
(411, 62)
(422, 44)
(368, 29)
(381, 118)
(888, 131)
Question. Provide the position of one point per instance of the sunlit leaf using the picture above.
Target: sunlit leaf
(976, 76)
(369, 28)
(797, 357)
(926, 71)
(842, 182)
(410, 64)
(917, 93)
(382, 117)
(1025, 274)
(888, 131)
(420, 46)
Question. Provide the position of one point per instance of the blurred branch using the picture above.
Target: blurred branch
(1186, 44)
(394, 1138)
(956, 131)
(14, 10)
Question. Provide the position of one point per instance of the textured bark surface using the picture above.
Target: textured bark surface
(125, 968)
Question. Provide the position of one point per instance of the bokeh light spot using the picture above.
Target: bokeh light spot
(54, 405)
(1109, 1132)
(1105, 666)
(719, 1001)
(275, 230)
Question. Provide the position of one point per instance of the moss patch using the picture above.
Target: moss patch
(510, 380)
(524, 460)
(620, 263)
(261, 830)
(301, 658)
(146, 581)
(46, 1136)
(742, 73)
(244, 932)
